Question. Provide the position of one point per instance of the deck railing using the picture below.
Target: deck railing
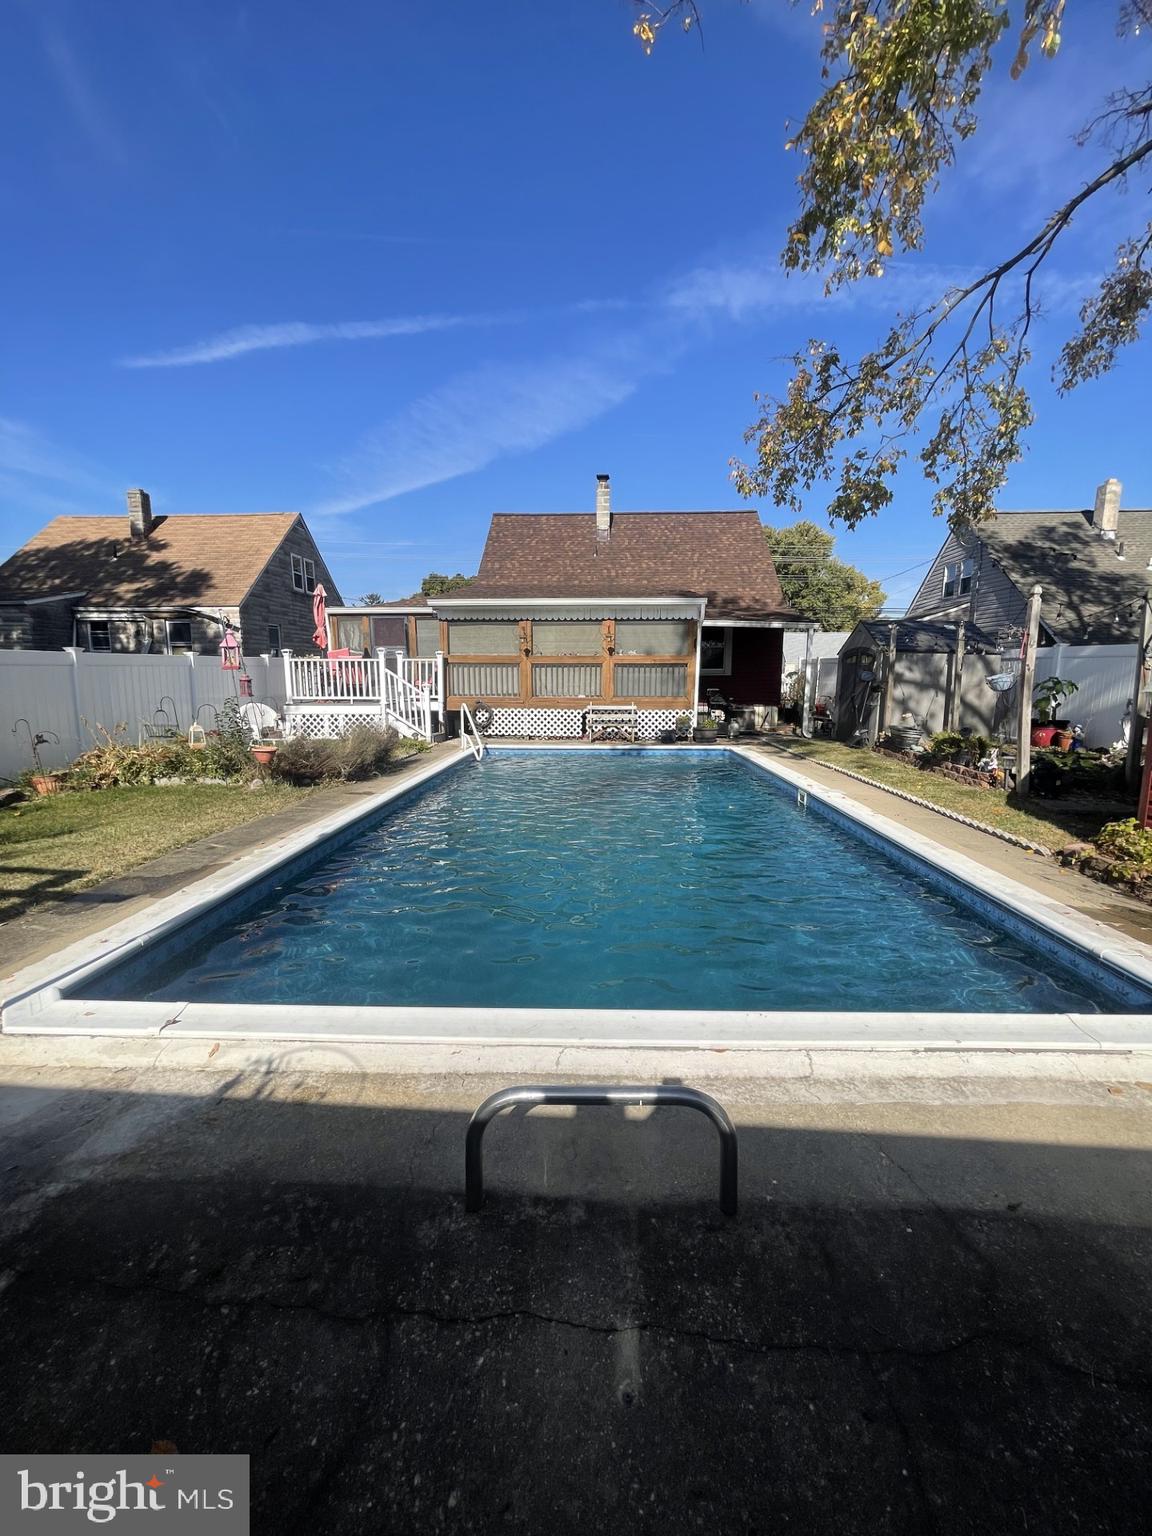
(407, 689)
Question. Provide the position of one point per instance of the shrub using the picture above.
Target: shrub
(112, 763)
(363, 752)
(1130, 845)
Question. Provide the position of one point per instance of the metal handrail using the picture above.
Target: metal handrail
(476, 743)
(664, 1094)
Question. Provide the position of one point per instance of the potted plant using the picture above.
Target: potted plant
(683, 727)
(707, 728)
(1049, 696)
(263, 752)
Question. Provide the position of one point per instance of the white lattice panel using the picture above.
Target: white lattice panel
(569, 723)
(655, 721)
(327, 724)
(537, 722)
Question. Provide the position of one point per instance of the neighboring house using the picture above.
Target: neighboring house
(653, 609)
(967, 620)
(166, 585)
(1093, 566)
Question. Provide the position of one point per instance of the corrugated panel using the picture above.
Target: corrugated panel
(483, 679)
(650, 680)
(552, 680)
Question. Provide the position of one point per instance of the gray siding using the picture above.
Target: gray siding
(274, 600)
(995, 602)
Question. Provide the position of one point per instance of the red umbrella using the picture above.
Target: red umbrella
(319, 613)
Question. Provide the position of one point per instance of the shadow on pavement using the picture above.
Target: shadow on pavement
(910, 1333)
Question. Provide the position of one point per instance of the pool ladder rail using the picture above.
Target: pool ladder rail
(663, 1095)
(470, 738)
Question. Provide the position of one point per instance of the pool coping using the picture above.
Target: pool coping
(37, 1003)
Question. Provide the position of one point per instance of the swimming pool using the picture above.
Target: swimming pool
(629, 880)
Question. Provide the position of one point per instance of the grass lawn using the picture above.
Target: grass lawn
(53, 846)
(1042, 822)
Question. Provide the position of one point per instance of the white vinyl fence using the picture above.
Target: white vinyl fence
(1106, 675)
(68, 693)
(823, 667)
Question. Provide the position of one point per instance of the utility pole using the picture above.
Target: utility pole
(1138, 719)
(1024, 702)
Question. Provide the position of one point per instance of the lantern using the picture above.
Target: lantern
(230, 652)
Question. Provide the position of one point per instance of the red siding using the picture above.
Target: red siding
(757, 664)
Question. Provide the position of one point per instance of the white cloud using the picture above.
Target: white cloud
(26, 453)
(297, 333)
(489, 412)
(79, 96)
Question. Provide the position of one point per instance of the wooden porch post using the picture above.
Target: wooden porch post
(886, 687)
(286, 657)
(955, 678)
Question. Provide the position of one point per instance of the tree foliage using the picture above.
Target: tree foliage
(816, 583)
(903, 82)
(371, 600)
(435, 585)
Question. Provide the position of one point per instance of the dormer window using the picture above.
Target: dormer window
(303, 574)
(958, 577)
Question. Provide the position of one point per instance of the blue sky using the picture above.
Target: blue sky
(400, 266)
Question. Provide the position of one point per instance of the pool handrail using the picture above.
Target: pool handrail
(470, 738)
(581, 1094)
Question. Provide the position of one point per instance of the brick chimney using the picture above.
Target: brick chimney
(603, 507)
(139, 514)
(1106, 513)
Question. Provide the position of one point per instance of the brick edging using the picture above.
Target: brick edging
(902, 794)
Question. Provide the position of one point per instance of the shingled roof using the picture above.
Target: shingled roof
(208, 560)
(721, 556)
(1092, 586)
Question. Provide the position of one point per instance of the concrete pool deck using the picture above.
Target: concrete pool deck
(931, 1316)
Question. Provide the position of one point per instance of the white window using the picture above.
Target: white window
(309, 575)
(99, 635)
(179, 637)
(303, 574)
(958, 577)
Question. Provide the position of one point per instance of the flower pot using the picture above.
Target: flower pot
(264, 752)
(46, 784)
(704, 736)
(1061, 740)
(1042, 734)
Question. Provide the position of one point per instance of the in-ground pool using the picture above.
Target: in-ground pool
(638, 880)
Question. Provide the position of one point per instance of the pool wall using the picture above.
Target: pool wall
(48, 998)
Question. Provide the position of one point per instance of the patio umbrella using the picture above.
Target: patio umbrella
(320, 614)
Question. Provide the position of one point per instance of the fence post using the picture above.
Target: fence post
(382, 672)
(74, 673)
(193, 696)
(1139, 686)
(440, 684)
(287, 658)
(1024, 702)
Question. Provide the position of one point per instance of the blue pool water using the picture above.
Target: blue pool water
(610, 880)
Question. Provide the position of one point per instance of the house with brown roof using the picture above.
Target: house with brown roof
(170, 585)
(652, 610)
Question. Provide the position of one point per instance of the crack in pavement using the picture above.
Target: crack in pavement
(988, 1337)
